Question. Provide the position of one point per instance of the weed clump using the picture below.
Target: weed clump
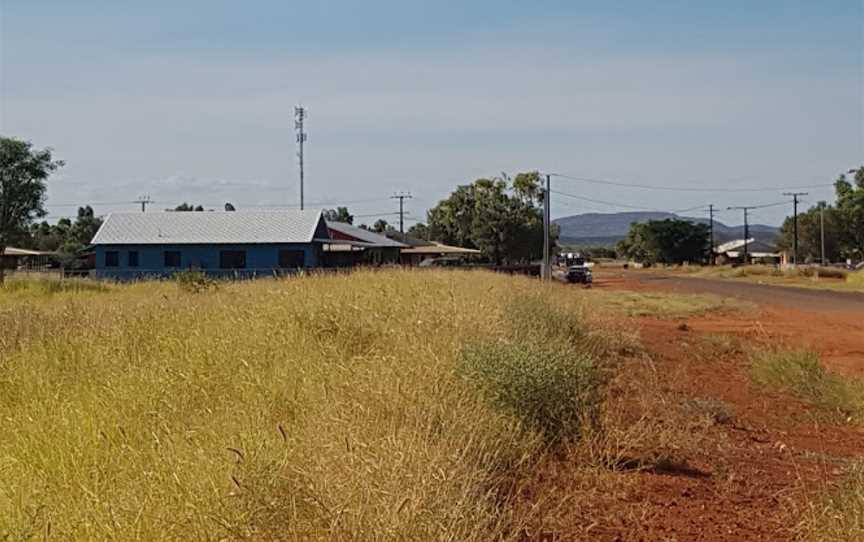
(839, 515)
(550, 390)
(800, 372)
(194, 282)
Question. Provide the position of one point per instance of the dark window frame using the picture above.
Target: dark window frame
(112, 258)
(232, 259)
(172, 253)
(133, 261)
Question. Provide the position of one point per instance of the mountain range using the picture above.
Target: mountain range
(606, 229)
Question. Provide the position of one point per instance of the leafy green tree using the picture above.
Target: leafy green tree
(810, 234)
(381, 225)
(850, 210)
(23, 172)
(188, 207)
(419, 231)
(504, 222)
(339, 214)
(66, 237)
(669, 241)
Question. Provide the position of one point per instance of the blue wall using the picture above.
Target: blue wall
(261, 259)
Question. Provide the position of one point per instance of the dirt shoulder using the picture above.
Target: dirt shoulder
(831, 323)
(804, 299)
(761, 456)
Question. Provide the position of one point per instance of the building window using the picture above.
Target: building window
(232, 259)
(292, 259)
(112, 258)
(133, 258)
(172, 258)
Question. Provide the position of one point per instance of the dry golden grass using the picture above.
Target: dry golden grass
(318, 408)
(370, 406)
(838, 516)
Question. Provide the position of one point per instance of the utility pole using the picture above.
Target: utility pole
(299, 117)
(711, 232)
(795, 223)
(144, 201)
(547, 267)
(822, 230)
(401, 196)
(746, 229)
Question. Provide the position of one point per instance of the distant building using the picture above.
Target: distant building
(353, 246)
(418, 250)
(757, 252)
(238, 243)
(18, 258)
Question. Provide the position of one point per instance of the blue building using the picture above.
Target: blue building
(227, 243)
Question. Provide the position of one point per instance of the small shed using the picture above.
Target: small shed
(425, 250)
(17, 258)
(236, 243)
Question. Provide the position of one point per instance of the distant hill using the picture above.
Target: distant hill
(606, 229)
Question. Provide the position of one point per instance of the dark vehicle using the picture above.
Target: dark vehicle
(579, 274)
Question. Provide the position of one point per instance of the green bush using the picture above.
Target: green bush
(550, 390)
(194, 281)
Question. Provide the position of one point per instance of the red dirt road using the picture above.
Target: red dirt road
(829, 322)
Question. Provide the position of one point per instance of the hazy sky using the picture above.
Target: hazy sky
(193, 100)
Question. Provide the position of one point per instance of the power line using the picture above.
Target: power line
(401, 196)
(711, 230)
(746, 209)
(683, 188)
(626, 206)
(795, 223)
(144, 201)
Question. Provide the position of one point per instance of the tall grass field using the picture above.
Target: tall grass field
(378, 405)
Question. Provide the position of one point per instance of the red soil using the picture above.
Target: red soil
(753, 474)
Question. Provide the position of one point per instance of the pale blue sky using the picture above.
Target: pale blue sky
(192, 101)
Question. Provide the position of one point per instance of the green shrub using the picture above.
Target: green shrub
(550, 390)
(801, 373)
(194, 281)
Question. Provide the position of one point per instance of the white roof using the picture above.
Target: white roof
(210, 227)
(11, 251)
(732, 245)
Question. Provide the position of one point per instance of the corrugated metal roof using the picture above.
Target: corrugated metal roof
(209, 227)
(438, 248)
(366, 236)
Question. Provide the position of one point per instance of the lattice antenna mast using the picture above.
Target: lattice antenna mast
(299, 118)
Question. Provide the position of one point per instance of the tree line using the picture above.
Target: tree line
(500, 216)
(843, 224)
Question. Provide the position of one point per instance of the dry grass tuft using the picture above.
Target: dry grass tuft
(838, 516)
(800, 373)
